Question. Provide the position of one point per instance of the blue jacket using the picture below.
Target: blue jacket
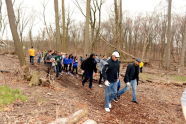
(70, 61)
(75, 64)
(66, 61)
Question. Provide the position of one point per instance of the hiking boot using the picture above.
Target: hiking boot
(110, 106)
(107, 109)
(135, 102)
(115, 100)
(118, 97)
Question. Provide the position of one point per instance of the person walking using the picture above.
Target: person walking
(75, 66)
(58, 59)
(89, 69)
(111, 76)
(131, 79)
(31, 52)
(101, 63)
(70, 58)
(66, 62)
(49, 60)
(39, 57)
(141, 66)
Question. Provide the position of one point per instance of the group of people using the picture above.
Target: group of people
(55, 61)
(107, 67)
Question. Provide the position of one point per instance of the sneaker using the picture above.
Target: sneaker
(107, 109)
(135, 102)
(100, 85)
(110, 106)
(115, 100)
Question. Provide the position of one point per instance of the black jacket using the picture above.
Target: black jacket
(90, 65)
(132, 73)
(111, 71)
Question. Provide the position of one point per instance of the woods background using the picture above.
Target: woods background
(158, 37)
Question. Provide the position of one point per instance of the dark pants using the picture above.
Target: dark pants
(32, 59)
(58, 69)
(75, 69)
(70, 67)
(49, 68)
(83, 75)
(100, 78)
(66, 67)
(141, 69)
(88, 76)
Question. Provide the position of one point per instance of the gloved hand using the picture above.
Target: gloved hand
(128, 84)
(107, 83)
(118, 80)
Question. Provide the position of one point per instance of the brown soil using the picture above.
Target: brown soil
(158, 103)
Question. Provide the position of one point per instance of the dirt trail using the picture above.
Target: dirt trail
(158, 103)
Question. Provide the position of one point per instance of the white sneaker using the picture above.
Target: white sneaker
(107, 109)
(100, 85)
(110, 106)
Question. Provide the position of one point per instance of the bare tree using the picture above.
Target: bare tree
(168, 45)
(57, 33)
(183, 48)
(64, 41)
(95, 9)
(87, 35)
(22, 21)
(13, 27)
(0, 14)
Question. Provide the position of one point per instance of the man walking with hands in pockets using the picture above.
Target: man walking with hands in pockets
(111, 76)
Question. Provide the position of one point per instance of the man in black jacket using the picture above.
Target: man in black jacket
(131, 79)
(89, 69)
(111, 76)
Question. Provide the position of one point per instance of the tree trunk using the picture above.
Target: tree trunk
(167, 56)
(87, 37)
(0, 14)
(57, 34)
(120, 25)
(18, 45)
(181, 69)
(30, 36)
(64, 41)
(116, 23)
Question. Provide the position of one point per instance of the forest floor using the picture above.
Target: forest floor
(158, 94)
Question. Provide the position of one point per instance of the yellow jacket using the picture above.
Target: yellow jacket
(31, 52)
(141, 64)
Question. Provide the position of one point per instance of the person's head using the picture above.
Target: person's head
(32, 47)
(50, 52)
(104, 57)
(137, 61)
(92, 55)
(115, 56)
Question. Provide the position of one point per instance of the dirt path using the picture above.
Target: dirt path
(158, 103)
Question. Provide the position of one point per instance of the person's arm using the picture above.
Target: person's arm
(127, 79)
(95, 68)
(105, 68)
(119, 69)
(137, 76)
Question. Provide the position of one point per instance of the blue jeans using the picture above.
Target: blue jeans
(39, 60)
(110, 93)
(133, 84)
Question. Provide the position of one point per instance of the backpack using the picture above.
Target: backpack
(83, 65)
